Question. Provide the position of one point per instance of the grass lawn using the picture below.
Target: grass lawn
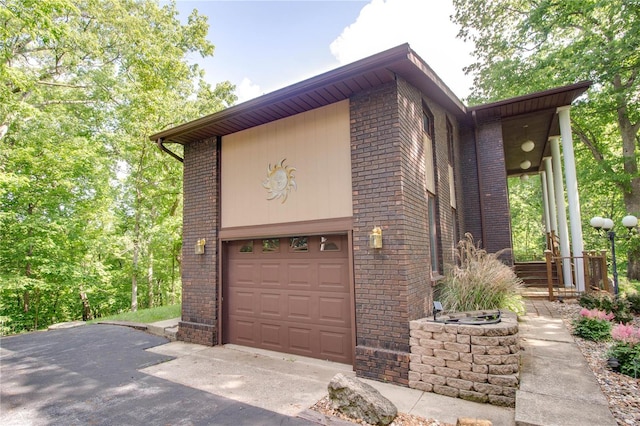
(628, 286)
(145, 315)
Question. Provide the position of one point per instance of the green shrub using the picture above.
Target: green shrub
(618, 305)
(627, 357)
(589, 300)
(625, 352)
(480, 282)
(594, 329)
(634, 302)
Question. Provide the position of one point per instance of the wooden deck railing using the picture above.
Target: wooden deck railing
(595, 274)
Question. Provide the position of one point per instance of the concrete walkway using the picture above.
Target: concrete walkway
(556, 385)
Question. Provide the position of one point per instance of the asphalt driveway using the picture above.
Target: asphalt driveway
(90, 375)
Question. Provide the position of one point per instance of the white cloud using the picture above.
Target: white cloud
(247, 90)
(424, 24)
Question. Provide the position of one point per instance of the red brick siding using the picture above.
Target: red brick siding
(443, 197)
(468, 171)
(200, 220)
(418, 264)
(494, 199)
(393, 284)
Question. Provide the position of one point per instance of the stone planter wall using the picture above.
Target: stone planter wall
(473, 362)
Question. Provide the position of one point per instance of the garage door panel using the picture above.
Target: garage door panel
(270, 305)
(333, 276)
(334, 345)
(242, 302)
(334, 310)
(271, 274)
(292, 301)
(243, 273)
(244, 331)
(299, 307)
(300, 340)
(271, 336)
(301, 275)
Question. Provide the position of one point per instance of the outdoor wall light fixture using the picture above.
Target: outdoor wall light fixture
(630, 222)
(200, 246)
(375, 238)
(525, 164)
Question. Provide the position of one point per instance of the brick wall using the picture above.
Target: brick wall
(471, 220)
(393, 284)
(441, 161)
(200, 220)
(382, 323)
(415, 225)
(494, 199)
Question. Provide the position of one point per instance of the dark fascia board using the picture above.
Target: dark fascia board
(400, 59)
(431, 84)
(579, 88)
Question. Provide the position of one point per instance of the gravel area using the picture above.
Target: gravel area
(622, 392)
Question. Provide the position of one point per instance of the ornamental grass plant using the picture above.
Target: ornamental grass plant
(480, 281)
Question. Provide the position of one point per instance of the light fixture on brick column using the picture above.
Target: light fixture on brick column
(375, 238)
(200, 246)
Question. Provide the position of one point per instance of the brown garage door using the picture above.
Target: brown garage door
(289, 295)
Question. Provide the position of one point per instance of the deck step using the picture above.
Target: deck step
(534, 274)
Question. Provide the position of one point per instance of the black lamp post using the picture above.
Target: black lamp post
(599, 223)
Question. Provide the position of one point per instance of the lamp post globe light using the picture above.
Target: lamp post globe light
(629, 222)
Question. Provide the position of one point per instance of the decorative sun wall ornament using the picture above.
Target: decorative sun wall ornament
(279, 181)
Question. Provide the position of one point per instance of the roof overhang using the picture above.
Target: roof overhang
(538, 112)
(324, 89)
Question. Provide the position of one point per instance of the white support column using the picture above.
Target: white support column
(573, 197)
(548, 168)
(545, 202)
(563, 231)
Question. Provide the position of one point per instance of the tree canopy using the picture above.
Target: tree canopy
(89, 208)
(522, 46)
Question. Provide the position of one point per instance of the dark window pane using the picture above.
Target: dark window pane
(433, 236)
(247, 247)
(299, 244)
(270, 245)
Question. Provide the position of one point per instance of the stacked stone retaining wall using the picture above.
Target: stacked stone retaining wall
(473, 362)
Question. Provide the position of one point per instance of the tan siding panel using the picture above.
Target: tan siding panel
(315, 143)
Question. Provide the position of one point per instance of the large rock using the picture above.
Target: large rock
(359, 400)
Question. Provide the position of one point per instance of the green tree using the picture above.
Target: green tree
(524, 45)
(525, 201)
(88, 206)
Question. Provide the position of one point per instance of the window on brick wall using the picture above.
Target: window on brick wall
(433, 235)
(450, 152)
(455, 235)
(427, 122)
(450, 142)
(428, 138)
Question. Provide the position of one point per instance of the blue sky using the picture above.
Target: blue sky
(265, 45)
